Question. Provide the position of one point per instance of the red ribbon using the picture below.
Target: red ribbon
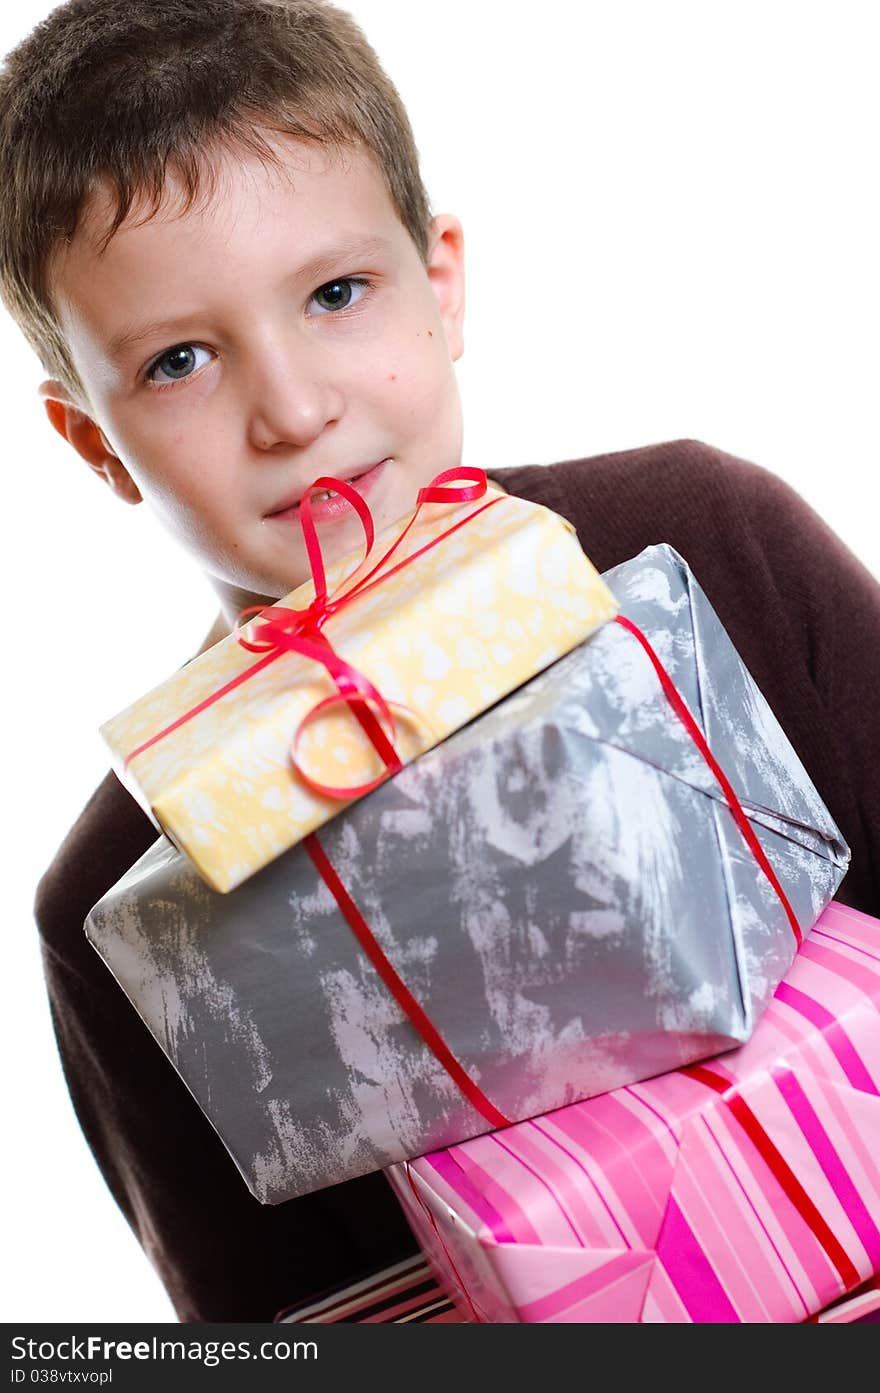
(286, 630)
(699, 740)
(398, 988)
(780, 1169)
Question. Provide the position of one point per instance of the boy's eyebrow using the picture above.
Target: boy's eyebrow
(320, 265)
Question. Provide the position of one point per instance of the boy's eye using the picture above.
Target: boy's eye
(337, 295)
(175, 363)
(180, 362)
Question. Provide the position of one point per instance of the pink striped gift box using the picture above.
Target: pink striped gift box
(743, 1189)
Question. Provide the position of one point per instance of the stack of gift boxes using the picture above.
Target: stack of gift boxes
(502, 875)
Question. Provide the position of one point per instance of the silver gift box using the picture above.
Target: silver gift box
(560, 884)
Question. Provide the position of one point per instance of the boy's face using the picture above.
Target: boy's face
(308, 338)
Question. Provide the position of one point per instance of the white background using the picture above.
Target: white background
(671, 228)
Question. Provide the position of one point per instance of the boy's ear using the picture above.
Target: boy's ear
(446, 273)
(89, 441)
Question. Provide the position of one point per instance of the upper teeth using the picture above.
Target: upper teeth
(326, 493)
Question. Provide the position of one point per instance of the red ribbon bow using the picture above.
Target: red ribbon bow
(286, 630)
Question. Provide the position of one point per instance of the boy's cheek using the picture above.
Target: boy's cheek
(195, 512)
(428, 391)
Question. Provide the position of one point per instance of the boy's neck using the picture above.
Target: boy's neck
(232, 602)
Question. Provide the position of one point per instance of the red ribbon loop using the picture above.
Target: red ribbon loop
(306, 522)
(286, 630)
(392, 764)
(299, 631)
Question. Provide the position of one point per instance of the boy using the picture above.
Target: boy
(215, 236)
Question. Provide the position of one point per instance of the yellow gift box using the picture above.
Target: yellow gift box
(504, 591)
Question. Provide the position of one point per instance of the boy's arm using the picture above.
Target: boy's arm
(828, 610)
(220, 1254)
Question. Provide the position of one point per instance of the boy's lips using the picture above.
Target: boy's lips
(324, 507)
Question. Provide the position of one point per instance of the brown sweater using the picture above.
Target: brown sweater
(804, 614)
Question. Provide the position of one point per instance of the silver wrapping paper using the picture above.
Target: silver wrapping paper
(560, 884)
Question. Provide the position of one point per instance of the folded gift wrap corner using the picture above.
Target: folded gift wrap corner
(495, 1277)
(745, 1189)
(783, 806)
(479, 597)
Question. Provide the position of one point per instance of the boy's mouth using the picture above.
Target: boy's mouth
(328, 505)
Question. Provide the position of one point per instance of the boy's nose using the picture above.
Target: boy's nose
(291, 406)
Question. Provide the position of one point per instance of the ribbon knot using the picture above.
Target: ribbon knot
(283, 629)
(287, 630)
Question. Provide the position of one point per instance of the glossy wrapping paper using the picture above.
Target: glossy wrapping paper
(473, 618)
(560, 885)
(746, 1189)
(861, 1307)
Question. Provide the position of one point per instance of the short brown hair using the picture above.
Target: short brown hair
(118, 92)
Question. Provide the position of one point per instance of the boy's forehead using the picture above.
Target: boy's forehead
(307, 200)
(222, 173)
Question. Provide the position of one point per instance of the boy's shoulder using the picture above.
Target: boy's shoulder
(776, 575)
(683, 492)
